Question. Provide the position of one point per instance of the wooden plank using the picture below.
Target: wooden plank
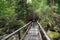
(33, 34)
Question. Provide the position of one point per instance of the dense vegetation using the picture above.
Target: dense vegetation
(16, 13)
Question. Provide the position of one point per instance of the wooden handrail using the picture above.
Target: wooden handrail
(8, 36)
(46, 35)
(26, 32)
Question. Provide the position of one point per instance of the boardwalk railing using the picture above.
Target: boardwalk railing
(43, 31)
(17, 31)
(26, 32)
(28, 25)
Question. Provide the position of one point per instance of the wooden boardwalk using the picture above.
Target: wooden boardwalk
(33, 34)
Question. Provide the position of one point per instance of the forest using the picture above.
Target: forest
(16, 13)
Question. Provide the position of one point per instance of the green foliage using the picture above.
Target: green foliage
(53, 34)
(7, 13)
(19, 12)
(21, 22)
(2, 31)
(44, 12)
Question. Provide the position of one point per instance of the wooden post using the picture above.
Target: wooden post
(19, 35)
